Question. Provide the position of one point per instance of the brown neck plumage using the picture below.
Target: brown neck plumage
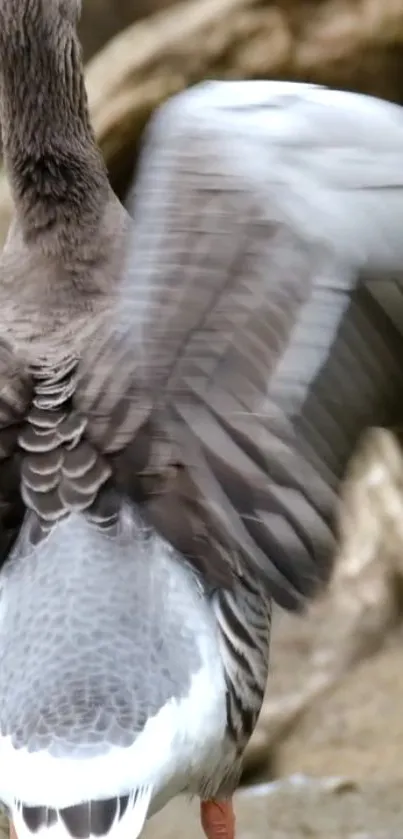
(55, 169)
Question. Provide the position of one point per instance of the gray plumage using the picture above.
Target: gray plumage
(103, 685)
(179, 395)
(264, 379)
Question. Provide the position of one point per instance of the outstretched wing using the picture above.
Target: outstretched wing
(261, 324)
(15, 396)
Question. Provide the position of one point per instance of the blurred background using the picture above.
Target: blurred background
(102, 19)
(331, 732)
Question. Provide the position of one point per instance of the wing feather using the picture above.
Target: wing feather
(250, 347)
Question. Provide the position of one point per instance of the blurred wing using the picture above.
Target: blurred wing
(261, 323)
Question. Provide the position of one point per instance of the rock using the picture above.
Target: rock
(297, 807)
(102, 19)
(357, 727)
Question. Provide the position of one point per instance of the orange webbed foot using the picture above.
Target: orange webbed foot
(218, 819)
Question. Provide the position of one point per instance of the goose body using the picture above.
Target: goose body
(179, 397)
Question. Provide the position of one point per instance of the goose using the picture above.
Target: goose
(181, 388)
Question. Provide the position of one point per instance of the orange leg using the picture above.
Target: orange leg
(218, 819)
(12, 832)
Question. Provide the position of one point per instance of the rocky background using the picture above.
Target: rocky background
(327, 758)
